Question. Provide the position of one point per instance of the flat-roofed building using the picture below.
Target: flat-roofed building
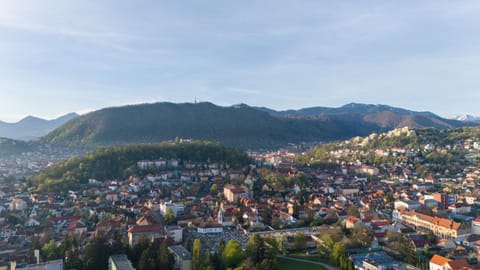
(119, 262)
(182, 257)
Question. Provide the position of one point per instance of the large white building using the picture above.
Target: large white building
(177, 208)
(18, 204)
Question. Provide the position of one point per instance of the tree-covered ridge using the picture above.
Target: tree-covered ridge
(240, 126)
(427, 151)
(9, 146)
(121, 161)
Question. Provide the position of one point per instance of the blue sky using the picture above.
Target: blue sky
(62, 56)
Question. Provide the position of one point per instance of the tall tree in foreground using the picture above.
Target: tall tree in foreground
(196, 252)
(165, 260)
(233, 254)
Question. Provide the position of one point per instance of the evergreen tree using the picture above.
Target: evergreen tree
(196, 253)
(96, 254)
(165, 260)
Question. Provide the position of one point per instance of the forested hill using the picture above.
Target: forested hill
(426, 151)
(121, 161)
(239, 126)
(10, 146)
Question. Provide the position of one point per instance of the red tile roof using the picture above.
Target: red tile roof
(439, 260)
(147, 228)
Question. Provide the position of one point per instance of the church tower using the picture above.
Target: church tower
(220, 217)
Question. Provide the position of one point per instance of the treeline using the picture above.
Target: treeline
(11, 147)
(259, 253)
(145, 255)
(121, 161)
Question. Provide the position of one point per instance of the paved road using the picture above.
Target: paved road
(327, 266)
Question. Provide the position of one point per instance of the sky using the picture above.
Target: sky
(63, 56)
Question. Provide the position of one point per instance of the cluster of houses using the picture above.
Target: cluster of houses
(175, 199)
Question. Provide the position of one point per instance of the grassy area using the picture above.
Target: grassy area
(286, 264)
(313, 257)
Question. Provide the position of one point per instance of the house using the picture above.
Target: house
(209, 227)
(438, 262)
(234, 194)
(177, 208)
(175, 233)
(32, 223)
(460, 208)
(458, 265)
(17, 204)
(151, 232)
(107, 226)
(352, 221)
(182, 257)
(370, 170)
(411, 205)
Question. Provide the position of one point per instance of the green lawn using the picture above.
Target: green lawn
(313, 258)
(286, 264)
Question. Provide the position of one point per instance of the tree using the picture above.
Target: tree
(300, 240)
(149, 259)
(196, 252)
(165, 259)
(255, 249)
(233, 254)
(96, 254)
(51, 251)
(338, 250)
(136, 252)
(214, 188)
(431, 237)
(267, 217)
(272, 247)
(363, 235)
(169, 217)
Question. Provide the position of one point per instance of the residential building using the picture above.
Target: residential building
(18, 204)
(438, 262)
(151, 232)
(177, 208)
(476, 226)
(182, 257)
(234, 194)
(175, 233)
(442, 227)
(411, 205)
(119, 262)
(49, 265)
(210, 228)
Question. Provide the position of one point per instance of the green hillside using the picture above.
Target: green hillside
(120, 162)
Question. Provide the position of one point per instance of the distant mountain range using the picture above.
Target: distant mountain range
(467, 118)
(351, 108)
(31, 127)
(239, 125)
